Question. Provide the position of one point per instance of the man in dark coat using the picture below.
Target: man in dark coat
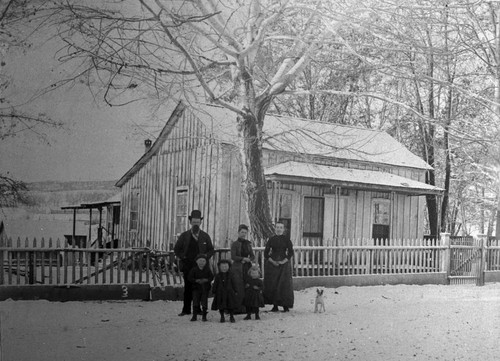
(191, 243)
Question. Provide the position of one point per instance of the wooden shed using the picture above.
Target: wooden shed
(326, 181)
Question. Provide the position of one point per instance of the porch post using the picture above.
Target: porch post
(99, 230)
(90, 226)
(273, 202)
(446, 255)
(74, 227)
(391, 220)
(483, 242)
(277, 204)
(337, 215)
(112, 208)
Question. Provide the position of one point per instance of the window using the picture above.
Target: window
(116, 214)
(313, 216)
(381, 221)
(181, 211)
(134, 210)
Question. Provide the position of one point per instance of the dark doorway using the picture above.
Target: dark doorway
(314, 208)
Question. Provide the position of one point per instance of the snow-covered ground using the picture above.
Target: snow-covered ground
(360, 323)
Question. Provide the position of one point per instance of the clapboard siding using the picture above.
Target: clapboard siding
(355, 218)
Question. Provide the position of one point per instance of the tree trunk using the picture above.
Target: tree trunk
(447, 166)
(497, 100)
(254, 185)
(430, 178)
(432, 209)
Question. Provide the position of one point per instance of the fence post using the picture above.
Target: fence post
(446, 255)
(31, 268)
(2, 244)
(482, 262)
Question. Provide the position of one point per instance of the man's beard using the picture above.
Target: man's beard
(196, 228)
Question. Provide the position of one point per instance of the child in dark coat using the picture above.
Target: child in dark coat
(224, 290)
(253, 293)
(200, 277)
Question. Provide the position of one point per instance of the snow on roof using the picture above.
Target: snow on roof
(282, 133)
(347, 176)
(289, 134)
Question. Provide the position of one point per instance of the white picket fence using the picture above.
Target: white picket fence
(48, 262)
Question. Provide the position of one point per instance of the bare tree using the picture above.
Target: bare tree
(14, 16)
(234, 53)
(406, 69)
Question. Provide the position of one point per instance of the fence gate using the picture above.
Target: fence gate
(466, 261)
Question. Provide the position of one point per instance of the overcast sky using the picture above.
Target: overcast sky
(97, 142)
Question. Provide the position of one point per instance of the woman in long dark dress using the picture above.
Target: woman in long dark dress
(242, 256)
(278, 286)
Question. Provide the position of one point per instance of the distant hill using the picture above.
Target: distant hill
(53, 186)
(49, 197)
(43, 217)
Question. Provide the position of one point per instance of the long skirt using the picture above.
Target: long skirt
(278, 286)
(239, 271)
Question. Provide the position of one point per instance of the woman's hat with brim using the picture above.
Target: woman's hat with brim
(195, 214)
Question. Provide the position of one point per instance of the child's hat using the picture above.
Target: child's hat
(201, 255)
(254, 268)
(224, 261)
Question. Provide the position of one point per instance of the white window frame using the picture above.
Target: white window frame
(135, 191)
(178, 190)
(372, 216)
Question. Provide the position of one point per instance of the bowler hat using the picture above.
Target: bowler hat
(195, 214)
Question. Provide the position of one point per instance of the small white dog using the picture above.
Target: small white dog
(319, 303)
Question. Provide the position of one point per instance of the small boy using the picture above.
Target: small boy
(200, 276)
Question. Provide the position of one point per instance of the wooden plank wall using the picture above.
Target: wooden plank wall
(356, 209)
(192, 160)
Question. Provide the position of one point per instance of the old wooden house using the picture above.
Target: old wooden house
(326, 182)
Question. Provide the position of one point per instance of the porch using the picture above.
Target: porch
(323, 205)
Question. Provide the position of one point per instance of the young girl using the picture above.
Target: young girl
(224, 290)
(253, 293)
